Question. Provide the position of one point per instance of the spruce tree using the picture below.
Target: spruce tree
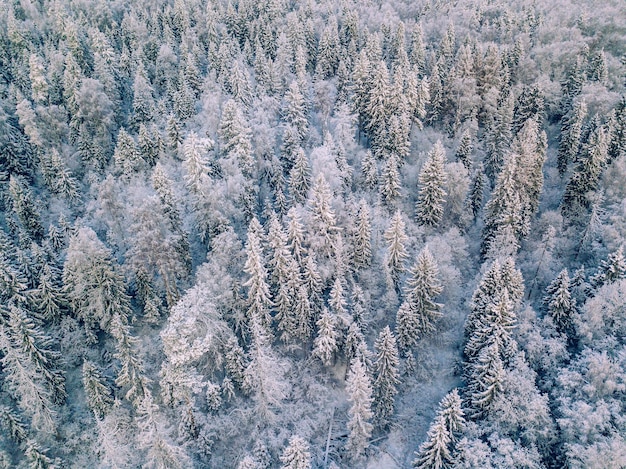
(396, 238)
(390, 180)
(25, 207)
(386, 372)
(369, 170)
(299, 177)
(435, 452)
(325, 345)
(296, 455)
(259, 298)
(585, 177)
(361, 239)
(417, 316)
(431, 195)
(559, 302)
(464, 150)
(569, 142)
(359, 389)
(610, 270)
(98, 394)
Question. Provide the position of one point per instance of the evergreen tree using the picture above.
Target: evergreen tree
(431, 196)
(264, 375)
(485, 381)
(361, 239)
(396, 251)
(195, 163)
(322, 214)
(386, 372)
(25, 208)
(610, 270)
(474, 199)
(359, 389)
(296, 455)
(571, 126)
(98, 393)
(300, 178)
(464, 150)
(435, 453)
(559, 302)
(390, 180)
(295, 112)
(416, 317)
(259, 301)
(127, 156)
(377, 105)
(369, 170)
(617, 146)
(235, 137)
(325, 345)
(585, 177)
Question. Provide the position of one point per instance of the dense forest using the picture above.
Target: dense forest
(312, 234)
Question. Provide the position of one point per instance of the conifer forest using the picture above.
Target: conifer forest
(301, 234)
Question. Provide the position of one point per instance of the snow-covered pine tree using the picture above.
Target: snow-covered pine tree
(431, 195)
(326, 343)
(259, 297)
(296, 455)
(98, 394)
(396, 238)
(559, 302)
(610, 270)
(235, 138)
(386, 373)
(361, 238)
(569, 142)
(299, 177)
(359, 389)
(322, 214)
(390, 184)
(435, 452)
(586, 176)
(126, 155)
(419, 312)
(464, 151)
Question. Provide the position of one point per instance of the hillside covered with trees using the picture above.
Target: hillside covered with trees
(312, 234)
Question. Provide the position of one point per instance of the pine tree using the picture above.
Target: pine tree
(390, 180)
(126, 156)
(48, 296)
(598, 70)
(295, 112)
(431, 196)
(585, 177)
(325, 345)
(377, 105)
(296, 455)
(369, 170)
(485, 380)
(295, 236)
(264, 375)
(416, 317)
(259, 301)
(435, 453)
(234, 358)
(571, 126)
(57, 176)
(160, 453)
(98, 393)
(559, 302)
(25, 207)
(322, 214)
(499, 135)
(464, 150)
(359, 389)
(474, 199)
(195, 163)
(396, 239)
(361, 239)
(450, 408)
(386, 372)
(610, 270)
(300, 177)
(617, 146)
(235, 137)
